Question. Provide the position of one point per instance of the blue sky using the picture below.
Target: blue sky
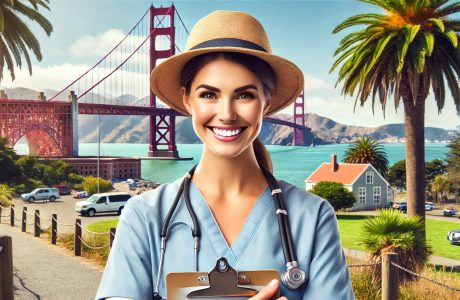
(298, 30)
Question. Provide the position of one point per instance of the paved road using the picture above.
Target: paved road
(43, 271)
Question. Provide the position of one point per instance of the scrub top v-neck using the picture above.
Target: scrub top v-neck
(132, 266)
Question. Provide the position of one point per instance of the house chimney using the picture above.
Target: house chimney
(334, 164)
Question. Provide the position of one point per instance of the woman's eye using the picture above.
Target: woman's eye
(207, 95)
(245, 96)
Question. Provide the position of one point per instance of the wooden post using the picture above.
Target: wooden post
(390, 284)
(77, 241)
(37, 223)
(12, 215)
(6, 268)
(54, 229)
(112, 236)
(0, 214)
(24, 219)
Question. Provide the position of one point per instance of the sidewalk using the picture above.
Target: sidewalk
(43, 271)
(434, 260)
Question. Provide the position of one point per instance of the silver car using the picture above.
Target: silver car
(50, 194)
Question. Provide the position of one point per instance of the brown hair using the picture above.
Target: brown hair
(257, 66)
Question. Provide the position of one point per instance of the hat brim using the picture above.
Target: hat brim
(164, 79)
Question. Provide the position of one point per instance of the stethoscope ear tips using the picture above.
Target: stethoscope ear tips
(293, 277)
(157, 296)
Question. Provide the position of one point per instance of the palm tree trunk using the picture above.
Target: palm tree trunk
(414, 123)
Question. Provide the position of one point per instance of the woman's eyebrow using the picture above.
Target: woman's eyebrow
(249, 86)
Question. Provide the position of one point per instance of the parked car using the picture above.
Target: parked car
(429, 206)
(50, 194)
(454, 236)
(81, 194)
(449, 212)
(63, 189)
(105, 202)
(402, 206)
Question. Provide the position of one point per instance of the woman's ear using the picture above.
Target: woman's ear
(267, 106)
(186, 100)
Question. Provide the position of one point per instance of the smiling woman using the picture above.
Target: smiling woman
(227, 81)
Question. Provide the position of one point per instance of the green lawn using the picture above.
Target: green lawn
(350, 231)
(103, 226)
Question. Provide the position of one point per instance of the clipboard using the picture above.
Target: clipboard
(223, 282)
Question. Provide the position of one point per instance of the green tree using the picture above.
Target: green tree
(90, 184)
(337, 195)
(411, 45)
(391, 231)
(16, 38)
(441, 186)
(6, 195)
(453, 162)
(433, 168)
(366, 150)
(10, 173)
(27, 165)
(396, 176)
(75, 180)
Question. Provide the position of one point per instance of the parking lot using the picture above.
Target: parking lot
(64, 207)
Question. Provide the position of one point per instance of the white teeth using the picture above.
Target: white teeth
(223, 132)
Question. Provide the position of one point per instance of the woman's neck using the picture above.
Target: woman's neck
(228, 177)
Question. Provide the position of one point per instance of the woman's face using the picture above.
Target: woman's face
(227, 104)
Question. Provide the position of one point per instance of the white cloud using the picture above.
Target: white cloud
(323, 99)
(99, 45)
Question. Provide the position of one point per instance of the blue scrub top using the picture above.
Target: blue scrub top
(132, 267)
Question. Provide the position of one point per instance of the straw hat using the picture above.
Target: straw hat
(227, 31)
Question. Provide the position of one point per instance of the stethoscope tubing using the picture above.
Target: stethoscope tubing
(184, 189)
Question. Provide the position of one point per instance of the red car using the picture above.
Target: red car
(63, 189)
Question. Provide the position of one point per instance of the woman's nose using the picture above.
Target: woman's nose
(227, 111)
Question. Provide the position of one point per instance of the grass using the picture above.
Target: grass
(103, 226)
(364, 288)
(436, 231)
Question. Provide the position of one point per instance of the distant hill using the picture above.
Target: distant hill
(322, 130)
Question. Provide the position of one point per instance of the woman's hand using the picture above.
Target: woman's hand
(268, 291)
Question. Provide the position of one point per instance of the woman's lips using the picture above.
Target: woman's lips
(227, 134)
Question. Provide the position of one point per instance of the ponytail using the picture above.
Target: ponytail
(262, 155)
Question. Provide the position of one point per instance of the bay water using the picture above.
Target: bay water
(292, 164)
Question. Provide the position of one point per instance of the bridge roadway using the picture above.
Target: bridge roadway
(85, 108)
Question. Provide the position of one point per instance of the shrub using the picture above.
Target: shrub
(90, 185)
(75, 180)
(391, 231)
(337, 195)
(27, 186)
(6, 195)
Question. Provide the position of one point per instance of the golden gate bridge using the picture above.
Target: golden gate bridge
(118, 84)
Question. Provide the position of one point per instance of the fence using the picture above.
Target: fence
(389, 263)
(38, 228)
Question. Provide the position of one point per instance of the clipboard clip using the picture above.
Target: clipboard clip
(223, 282)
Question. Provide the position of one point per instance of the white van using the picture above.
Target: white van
(105, 202)
(44, 194)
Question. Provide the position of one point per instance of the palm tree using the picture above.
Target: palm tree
(403, 51)
(16, 37)
(391, 231)
(366, 150)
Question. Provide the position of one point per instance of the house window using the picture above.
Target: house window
(377, 194)
(389, 194)
(369, 177)
(361, 195)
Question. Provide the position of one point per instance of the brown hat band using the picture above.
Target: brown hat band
(228, 42)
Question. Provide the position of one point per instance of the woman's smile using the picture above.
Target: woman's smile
(227, 134)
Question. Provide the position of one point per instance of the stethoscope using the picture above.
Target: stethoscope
(292, 278)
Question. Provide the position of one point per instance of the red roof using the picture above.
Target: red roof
(345, 173)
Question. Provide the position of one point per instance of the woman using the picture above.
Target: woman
(227, 80)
